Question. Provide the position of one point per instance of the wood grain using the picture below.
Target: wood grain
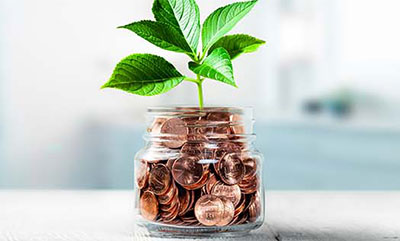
(108, 215)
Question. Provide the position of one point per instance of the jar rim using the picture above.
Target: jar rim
(184, 109)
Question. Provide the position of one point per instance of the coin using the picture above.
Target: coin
(248, 186)
(155, 127)
(159, 179)
(231, 192)
(168, 196)
(221, 121)
(228, 212)
(250, 165)
(212, 180)
(219, 116)
(243, 218)
(204, 127)
(218, 138)
(190, 220)
(187, 171)
(170, 163)
(171, 205)
(191, 149)
(231, 169)
(149, 205)
(240, 207)
(237, 126)
(184, 200)
(254, 207)
(191, 120)
(192, 201)
(200, 183)
(177, 131)
(225, 148)
(142, 174)
(209, 210)
(170, 215)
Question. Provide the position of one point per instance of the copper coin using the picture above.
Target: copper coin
(250, 165)
(212, 180)
(191, 125)
(192, 201)
(170, 205)
(155, 127)
(228, 213)
(191, 149)
(248, 202)
(149, 205)
(189, 221)
(191, 120)
(240, 207)
(221, 120)
(177, 131)
(184, 200)
(174, 222)
(240, 219)
(187, 171)
(170, 216)
(243, 219)
(235, 220)
(170, 163)
(168, 196)
(194, 135)
(196, 138)
(189, 218)
(159, 179)
(142, 174)
(219, 116)
(209, 210)
(248, 186)
(226, 148)
(254, 207)
(231, 192)
(237, 125)
(204, 127)
(198, 184)
(231, 169)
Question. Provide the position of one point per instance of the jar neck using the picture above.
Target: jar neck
(210, 132)
(211, 124)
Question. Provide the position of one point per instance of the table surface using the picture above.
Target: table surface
(107, 215)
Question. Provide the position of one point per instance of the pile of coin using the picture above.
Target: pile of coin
(211, 180)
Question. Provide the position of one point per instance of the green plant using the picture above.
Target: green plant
(177, 28)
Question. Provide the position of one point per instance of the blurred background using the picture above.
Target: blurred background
(325, 90)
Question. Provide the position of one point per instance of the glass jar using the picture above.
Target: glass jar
(199, 173)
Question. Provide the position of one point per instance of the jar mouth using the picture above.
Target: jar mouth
(192, 124)
(176, 110)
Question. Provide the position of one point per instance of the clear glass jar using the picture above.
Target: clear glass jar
(199, 173)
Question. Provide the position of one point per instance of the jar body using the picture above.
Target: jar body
(199, 173)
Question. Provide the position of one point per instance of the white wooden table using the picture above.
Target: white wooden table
(107, 216)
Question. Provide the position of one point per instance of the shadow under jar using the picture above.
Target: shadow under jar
(199, 173)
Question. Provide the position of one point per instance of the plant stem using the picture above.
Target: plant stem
(192, 80)
(200, 88)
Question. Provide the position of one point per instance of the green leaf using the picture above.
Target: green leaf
(144, 74)
(222, 20)
(184, 15)
(216, 66)
(160, 34)
(238, 44)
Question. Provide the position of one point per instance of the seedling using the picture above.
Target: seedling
(177, 28)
